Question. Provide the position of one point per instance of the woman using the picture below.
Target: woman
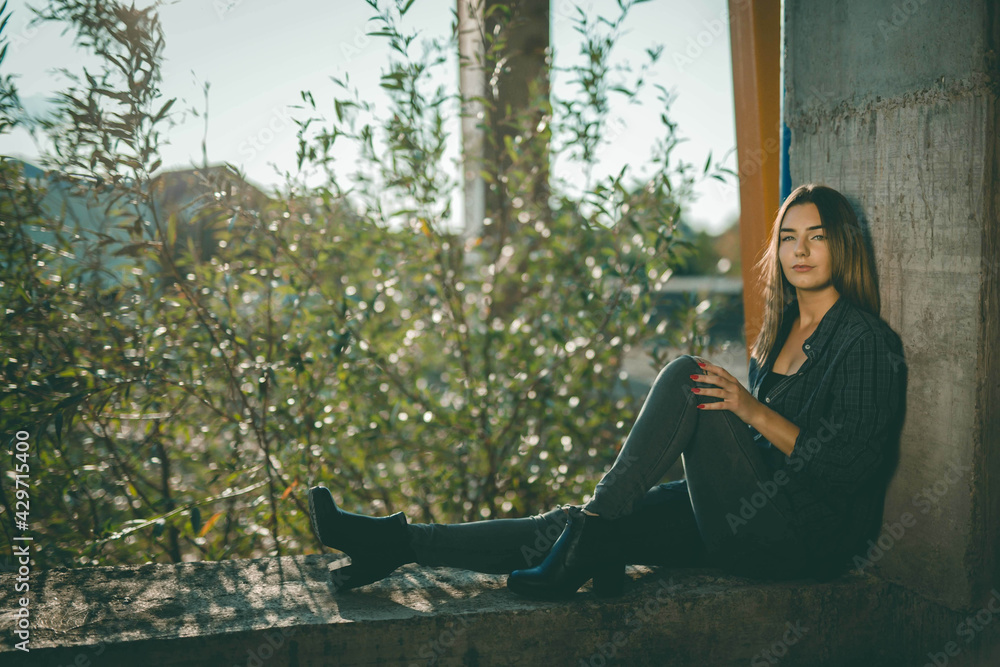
(783, 480)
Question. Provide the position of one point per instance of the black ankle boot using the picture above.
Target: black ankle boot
(587, 548)
(376, 545)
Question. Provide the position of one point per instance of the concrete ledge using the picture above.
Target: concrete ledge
(283, 612)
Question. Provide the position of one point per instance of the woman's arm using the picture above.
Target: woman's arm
(845, 438)
(841, 442)
(779, 431)
(737, 399)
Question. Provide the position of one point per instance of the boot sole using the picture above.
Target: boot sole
(313, 519)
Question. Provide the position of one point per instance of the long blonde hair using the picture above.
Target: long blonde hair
(852, 264)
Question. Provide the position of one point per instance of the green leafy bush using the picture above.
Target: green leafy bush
(187, 372)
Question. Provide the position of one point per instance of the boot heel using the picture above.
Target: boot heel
(346, 575)
(609, 580)
(340, 573)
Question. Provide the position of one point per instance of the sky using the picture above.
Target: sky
(257, 56)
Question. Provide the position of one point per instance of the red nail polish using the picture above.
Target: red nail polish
(701, 406)
(693, 377)
(696, 390)
(701, 364)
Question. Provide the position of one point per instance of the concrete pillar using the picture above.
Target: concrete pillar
(894, 103)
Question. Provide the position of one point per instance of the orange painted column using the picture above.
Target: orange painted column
(755, 35)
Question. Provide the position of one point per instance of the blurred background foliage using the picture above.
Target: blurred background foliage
(187, 369)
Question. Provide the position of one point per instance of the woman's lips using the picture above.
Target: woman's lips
(802, 269)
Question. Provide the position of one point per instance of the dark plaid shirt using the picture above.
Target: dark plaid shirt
(847, 399)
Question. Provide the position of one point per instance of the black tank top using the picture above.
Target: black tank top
(769, 381)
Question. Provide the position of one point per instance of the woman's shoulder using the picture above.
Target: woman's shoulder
(859, 324)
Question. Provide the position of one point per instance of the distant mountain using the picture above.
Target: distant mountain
(98, 223)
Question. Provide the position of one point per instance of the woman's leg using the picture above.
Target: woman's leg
(722, 467)
(661, 531)
(667, 422)
(739, 504)
(495, 546)
(679, 524)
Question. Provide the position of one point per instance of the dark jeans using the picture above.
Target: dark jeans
(727, 512)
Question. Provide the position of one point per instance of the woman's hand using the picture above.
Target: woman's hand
(735, 397)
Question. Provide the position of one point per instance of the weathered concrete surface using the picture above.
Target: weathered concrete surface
(894, 103)
(283, 612)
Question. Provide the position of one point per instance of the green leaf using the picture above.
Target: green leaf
(163, 110)
(131, 250)
(172, 229)
(195, 520)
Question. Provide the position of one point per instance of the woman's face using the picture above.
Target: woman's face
(802, 242)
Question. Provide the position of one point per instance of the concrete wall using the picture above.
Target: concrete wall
(894, 103)
(273, 612)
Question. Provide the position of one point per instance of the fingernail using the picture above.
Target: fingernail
(701, 363)
(701, 406)
(693, 377)
(695, 389)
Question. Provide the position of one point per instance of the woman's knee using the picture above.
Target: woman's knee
(681, 369)
(678, 373)
(686, 363)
